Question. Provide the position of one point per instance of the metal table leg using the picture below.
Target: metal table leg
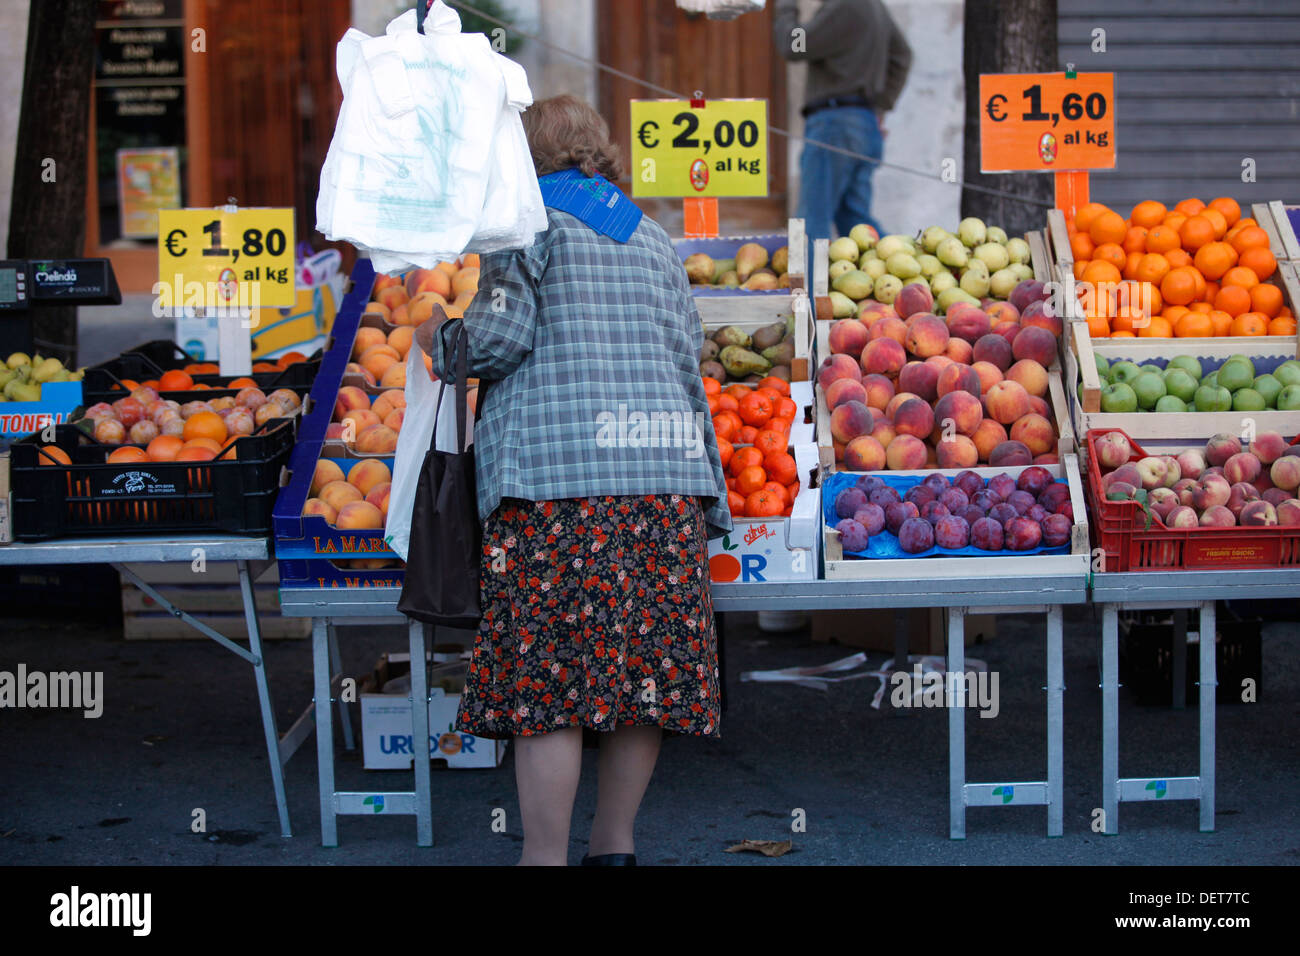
(1209, 698)
(1055, 722)
(336, 669)
(269, 729)
(420, 734)
(956, 701)
(320, 659)
(902, 634)
(1179, 699)
(1110, 718)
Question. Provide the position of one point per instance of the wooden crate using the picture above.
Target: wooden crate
(762, 308)
(803, 366)
(1272, 218)
(1078, 561)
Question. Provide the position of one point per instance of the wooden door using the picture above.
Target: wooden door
(655, 41)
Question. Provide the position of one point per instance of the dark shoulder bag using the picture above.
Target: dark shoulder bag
(441, 585)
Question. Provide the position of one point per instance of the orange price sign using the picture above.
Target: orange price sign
(1046, 122)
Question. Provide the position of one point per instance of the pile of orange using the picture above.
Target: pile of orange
(752, 427)
(182, 379)
(1197, 270)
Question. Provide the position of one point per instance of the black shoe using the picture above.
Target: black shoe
(610, 859)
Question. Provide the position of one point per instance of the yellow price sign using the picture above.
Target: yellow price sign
(214, 258)
(719, 149)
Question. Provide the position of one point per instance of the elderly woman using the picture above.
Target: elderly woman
(599, 483)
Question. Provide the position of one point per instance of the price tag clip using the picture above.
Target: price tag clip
(697, 100)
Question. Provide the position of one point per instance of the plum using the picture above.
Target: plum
(971, 513)
(951, 531)
(984, 500)
(884, 496)
(1053, 495)
(969, 482)
(869, 483)
(1022, 501)
(853, 537)
(1037, 513)
(936, 483)
(955, 500)
(1066, 508)
(1034, 480)
(1002, 512)
(871, 517)
(898, 512)
(919, 495)
(848, 501)
(1022, 534)
(1002, 485)
(986, 534)
(1056, 530)
(932, 511)
(915, 536)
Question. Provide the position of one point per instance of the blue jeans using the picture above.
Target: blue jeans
(834, 187)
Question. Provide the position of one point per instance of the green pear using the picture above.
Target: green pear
(975, 283)
(887, 288)
(1018, 250)
(857, 285)
(892, 245)
(17, 359)
(874, 268)
(949, 297)
(903, 265)
(942, 283)
(1022, 271)
(931, 238)
(930, 265)
(972, 231)
(863, 235)
(844, 248)
(838, 268)
(46, 370)
(992, 255)
(952, 253)
(995, 234)
(1002, 283)
(842, 306)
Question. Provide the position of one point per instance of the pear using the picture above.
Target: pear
(17, 359)
(18, 391)
(709, 350)
(749, 259)
(942, 282)
(1022, 271)
(740, 362)
(875, 268)
(857, 285)
(699, 267)
(931, 238)
(893, 244)
(781, 260)
(1002, 282)
(780, 354)
(838, 268)
(992, 255)
(995, 234)
(930, 265)
(723, 266)
(783, 280)
(842, 306)
(903, 265)
(868, 256)
(6, 376)
(863, 235)
(768, 336)
(887, 288)
(844, 248)
(971, 231)
(760, 281)
(46, 370)
(950, 296)
(975, 282)
(713, 369)
(952, 253)
(1017, 250)
(78, 375)
(731, 335)
(728, 279)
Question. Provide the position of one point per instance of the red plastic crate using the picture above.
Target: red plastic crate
(1120, 528)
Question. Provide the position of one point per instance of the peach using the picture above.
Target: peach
(883, 356)
(392, 297)
(1002, 312)
(377, 360)
(989, 375)
(1217, 516)
(315, 506)
(367, 338)
(1040, 315)
(336, 494)
(1010, 454)
(466, 280)
(1220, 448)
(378, 496)
(912, 299)
(1241, 467)
(848, 337)
(401, 317)
(968, 323)
(914, 417)
(367, 473)
(1268, 447)
(1039, 406)
(1182, 516)
(1257, 513)
(837, 366)
(401, 338)
(379, 309)
(879, 390)
(1211, 491)
(919, 378)
(906, 453)
(884, 431)
(1288, 513)
(897, 400)
(395, 418)
(962, 409)
(838, 448)
(1240, 495)
(988, 435)
(428, 280)
(334, 431)
(384, 281)
(871, 311)
(1285, 473)
(360, 514)
(269, 411)
(845, 390)
(994, 349)
(1034, 343)
(939, 362)
(959, 350)
(864, 453)
(1030, 290)
(927, 336)
(851, 419)
(349, 399)
(359, 418)
(353, 369)
(1113, 449)
(387, 401)
(376, 440)
(1008, 402)
(1035, 432)
(394, 376)
(1031, 375)
(960, 378)
(957, 451)
(890, 327)
(420, 309)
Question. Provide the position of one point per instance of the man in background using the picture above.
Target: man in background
(857, 64)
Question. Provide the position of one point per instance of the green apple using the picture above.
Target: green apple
(1211, 380)
(1288, 400)
(1236, 373)
(1180, 384)
(1103, 367)
(1124, 371)
(1248, 400)
(1213, 398)
(1288, 373)
(972, 232)
(1188, 362)
(1171, 403)
(1268, 386)
(1150, 388)
(1239, 357)
(1118, 398)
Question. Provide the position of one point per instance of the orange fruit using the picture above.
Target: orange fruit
(211, 444)
(242, 382)
(1220, 320)
(1131, 264)
(127, 453)
(1250, 323)
(1108, 227)
(1157, 328)
(1086, 214)
(1161, 239)
(1233, 299)
(1226, 207)
(1179, 285)
(1127, 319)
(1098, 326)
(778, 489)
(1266, 298)
(1217, 219)
(726, 424)
(1196, 232)
(746, 435)
(1175, 221)
(735, 504)
(1178, 257)
(725, 451)
(289, 358)
(1205, 308)
(1148, 213)
(164, 448)
(763, 503)
(1148, 297)
(1282, 325)
(1211, 290)
(1190, 207)
(755, 409)
(1081, 246)
(1240, 275)
(1174, 312)
(1112, 253)
(1152, 267)
(1136, 239)
(728, 403)
(1214, 259)
(195, 453)
(1259, 261)
(743, 458)
(780, 466)
(264, 367)
(712, 386)
(1122, 335)
(750, 479)
(737, 391)
(713, 405)
(779, 384)
(770, 441)
(175, 381)
(1079, 266)
(1252, 237)
(785, 408)
(52, 455)
(205, 425)
(1098, 272)
(1194, 325)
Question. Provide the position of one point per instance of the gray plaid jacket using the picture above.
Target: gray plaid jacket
(592, 350)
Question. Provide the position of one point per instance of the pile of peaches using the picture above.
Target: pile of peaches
(355, 500)
(908, 390)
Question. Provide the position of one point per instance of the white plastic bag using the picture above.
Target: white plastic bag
(720, 9)
(413, 442)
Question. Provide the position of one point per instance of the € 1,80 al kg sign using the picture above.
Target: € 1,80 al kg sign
(719, 149)
(217, 259)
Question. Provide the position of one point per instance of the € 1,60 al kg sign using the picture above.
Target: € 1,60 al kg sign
(719, 149)
(242, 259)
(1047, 122)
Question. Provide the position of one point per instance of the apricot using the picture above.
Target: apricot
(315, 506)
(394, 376)
(376, 440)
(367, 338)
(349, 398)
(367, 473)
(336, 494)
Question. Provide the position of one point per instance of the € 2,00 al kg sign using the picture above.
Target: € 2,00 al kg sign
(718, 149)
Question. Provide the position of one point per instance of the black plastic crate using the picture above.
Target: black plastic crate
(1146, 660)
(93, 497)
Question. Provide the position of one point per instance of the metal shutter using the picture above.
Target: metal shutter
(1200, 85)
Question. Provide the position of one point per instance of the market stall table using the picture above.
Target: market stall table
(251, 556)
(1148, 590)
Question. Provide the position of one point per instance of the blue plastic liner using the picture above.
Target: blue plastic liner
(884, 546)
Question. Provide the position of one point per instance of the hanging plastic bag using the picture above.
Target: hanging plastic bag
(413, 441)
(720, 9)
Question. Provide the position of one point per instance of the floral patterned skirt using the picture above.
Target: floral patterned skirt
(596, 614)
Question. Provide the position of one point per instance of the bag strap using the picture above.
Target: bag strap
(460, 349)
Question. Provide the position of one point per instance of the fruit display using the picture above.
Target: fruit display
(409, 299)
(22, 376)
(752, 428)
(1196, 270)
(730, 354)
(970, 265)
(1184, 383)
(903, 389)
(753, 269)
(350, 499)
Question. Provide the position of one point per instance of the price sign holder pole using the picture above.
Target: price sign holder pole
(1071, 191)
(699, 213)
(234, 344)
